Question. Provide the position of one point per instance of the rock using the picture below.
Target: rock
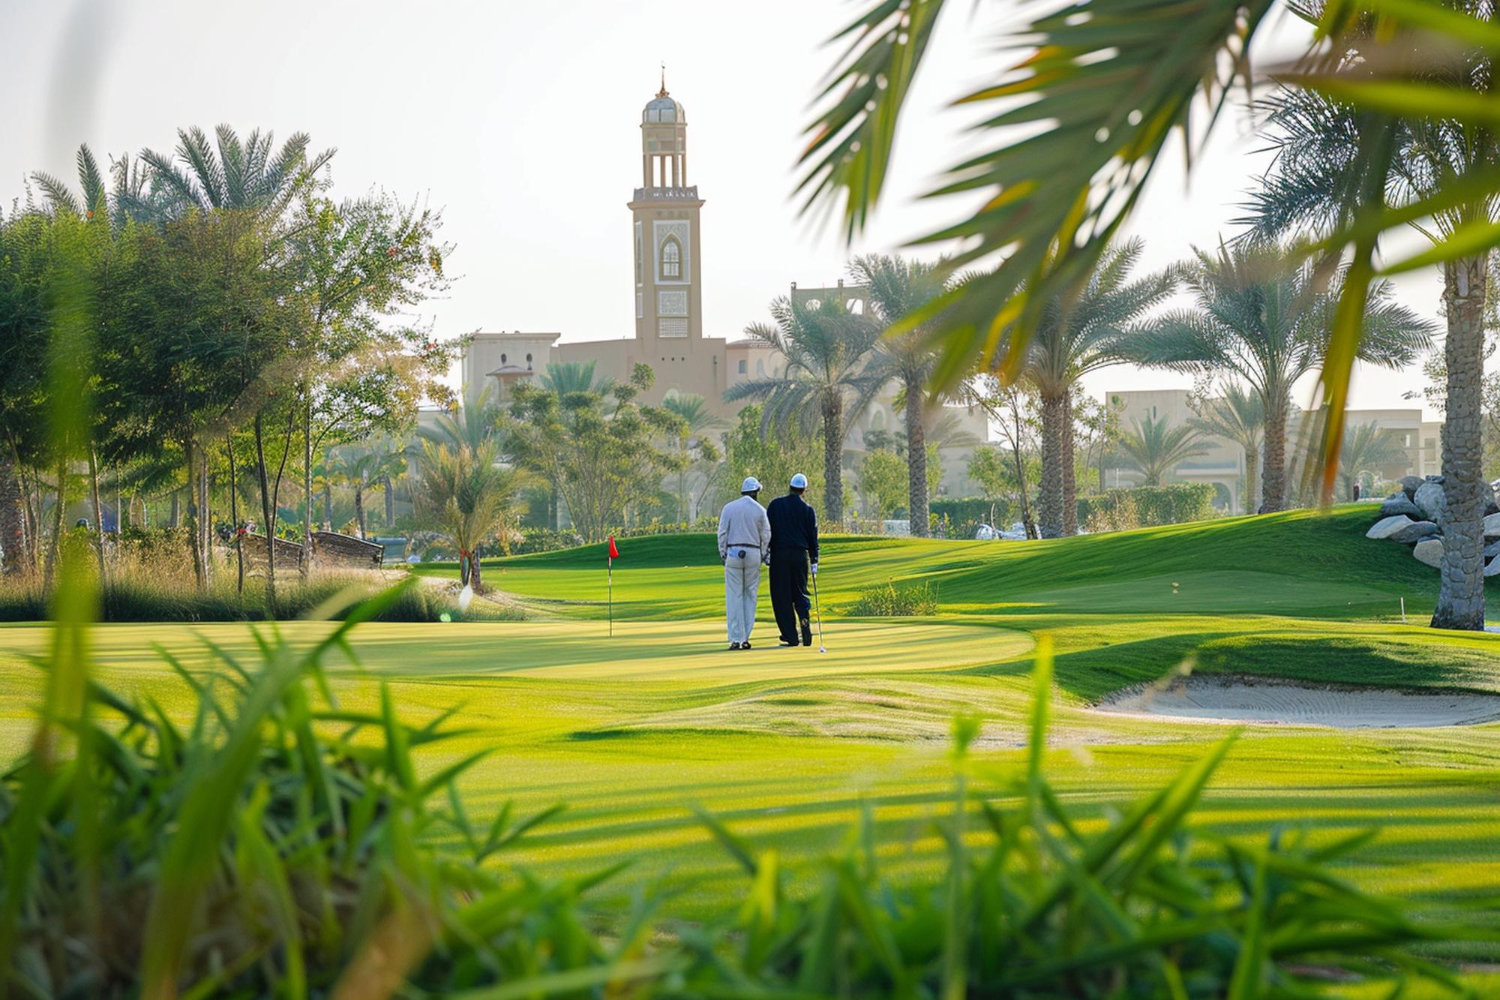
(1493, 568)
(1388, 526)
(1429, 551)
(1399, 504)
(1492, 526)
(1492, 550)
(1409, 485)
(1429, 500)
(1413, 532)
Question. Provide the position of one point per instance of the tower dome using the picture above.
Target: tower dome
(663, 108)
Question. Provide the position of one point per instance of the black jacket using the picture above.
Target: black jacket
(794, 525)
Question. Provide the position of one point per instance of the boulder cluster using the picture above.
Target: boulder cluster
(1413, 516)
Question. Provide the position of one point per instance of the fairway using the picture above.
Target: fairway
(788, 745)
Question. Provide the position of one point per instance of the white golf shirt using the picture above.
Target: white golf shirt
(743, 522)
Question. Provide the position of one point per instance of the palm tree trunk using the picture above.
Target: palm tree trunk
(12, 517)
(1252, 474)
(916, 461)
(1050, 513)
(307, 490)
(98, 508)
(833, 465)
(1069, 473)
(234, 518)
(390, 504)
(475, 571)
(195, 536)
(1461, 597)
(1273, 480)
(267, 510)
(359, 504)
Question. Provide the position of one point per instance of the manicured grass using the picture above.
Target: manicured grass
(788, 745)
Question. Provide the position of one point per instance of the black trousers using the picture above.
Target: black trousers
(789, 591)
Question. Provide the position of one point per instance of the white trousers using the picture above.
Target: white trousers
(741, 587)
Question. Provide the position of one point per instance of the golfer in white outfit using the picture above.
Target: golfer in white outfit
(744, 546)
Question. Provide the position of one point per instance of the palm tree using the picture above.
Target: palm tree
(1267, 323)
(697, 420)
(134, 192)
(1077, 334)
(899, 288)
(467, 426)
(1368, 448)
(562, 378)
(230, 173)
(832, 374)
(1321, 160)
(1238, 417)
(1154, 450)
(1062, 157)
(465, 496)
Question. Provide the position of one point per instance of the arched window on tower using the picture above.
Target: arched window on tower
(502, 359)
(528, 362)
(671, 258)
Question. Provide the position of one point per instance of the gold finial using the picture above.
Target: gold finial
(663, 91)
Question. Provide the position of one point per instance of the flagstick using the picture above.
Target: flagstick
(610, 574)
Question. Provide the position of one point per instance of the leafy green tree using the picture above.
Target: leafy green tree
(882, 483)
(1262, 320)
(25, 261)
(466, 496)
(1013, 411)
(1239, 417)
(774, 461)
(1077, 333)
(598, 452)
(1154, 450)
(832, 374)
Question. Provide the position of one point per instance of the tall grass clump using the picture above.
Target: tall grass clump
(891, 601)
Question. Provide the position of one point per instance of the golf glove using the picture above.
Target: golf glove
(814, 570)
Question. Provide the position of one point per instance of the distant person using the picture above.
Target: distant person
(794, 553)
(744, 546)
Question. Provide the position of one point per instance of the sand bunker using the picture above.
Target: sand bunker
(1237, 699)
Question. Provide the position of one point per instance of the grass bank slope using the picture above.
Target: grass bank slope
(1301, 563)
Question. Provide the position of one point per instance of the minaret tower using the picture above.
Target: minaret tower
(668, 296)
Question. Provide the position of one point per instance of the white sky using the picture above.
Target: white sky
(520, 120)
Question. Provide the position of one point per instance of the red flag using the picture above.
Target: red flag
(614, 553)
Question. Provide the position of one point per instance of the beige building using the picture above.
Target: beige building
(668, 308)
(1223, 463)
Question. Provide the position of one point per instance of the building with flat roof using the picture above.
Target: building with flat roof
(1223, 466)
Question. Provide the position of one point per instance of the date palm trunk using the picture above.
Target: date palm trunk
(390, 504)
(1069, 473)
(1273, 480)
(1050, 505)
(98, 505)
(13, 540)
(833, 464)
(359, 504)
(1252, 473)
(1461, 597)
(916, 461)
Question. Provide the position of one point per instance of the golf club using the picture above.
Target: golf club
(818, 608)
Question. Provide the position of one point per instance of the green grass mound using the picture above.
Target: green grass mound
(1303, 563)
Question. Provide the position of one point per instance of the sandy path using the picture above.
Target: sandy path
(1238, 699)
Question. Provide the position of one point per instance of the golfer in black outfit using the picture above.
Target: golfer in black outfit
(794, 544)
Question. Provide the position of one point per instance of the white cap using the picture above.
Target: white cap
(799, 481)
(750, 485)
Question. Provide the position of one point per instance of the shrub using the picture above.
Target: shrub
(1146, 506)
(891, 601)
